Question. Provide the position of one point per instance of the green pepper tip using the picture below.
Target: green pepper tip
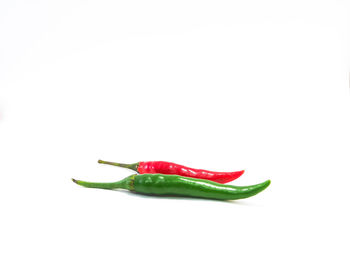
(267, 183)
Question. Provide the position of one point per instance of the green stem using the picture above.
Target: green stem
(127, 183)
(132, 166)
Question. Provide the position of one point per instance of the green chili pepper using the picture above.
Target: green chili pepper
(161, 184)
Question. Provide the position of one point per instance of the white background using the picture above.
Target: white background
(220, 85)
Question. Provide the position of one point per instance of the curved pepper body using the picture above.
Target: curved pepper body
(173, 168)
(161, 184)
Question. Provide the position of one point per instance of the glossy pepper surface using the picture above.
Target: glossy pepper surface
(173, 168)
(161, 184)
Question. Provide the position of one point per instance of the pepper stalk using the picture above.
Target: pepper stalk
(132, 166)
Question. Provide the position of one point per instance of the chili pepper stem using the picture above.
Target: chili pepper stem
(132, 166)
(126, 183)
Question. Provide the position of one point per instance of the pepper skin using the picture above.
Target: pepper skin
(161, 184)
(173, 168)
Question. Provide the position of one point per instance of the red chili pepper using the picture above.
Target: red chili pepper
(173, 168)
